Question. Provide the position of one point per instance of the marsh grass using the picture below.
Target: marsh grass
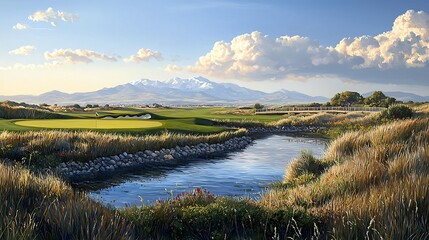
(34, 207)
(200, 215)
(377, 187)
(19, 112)
(319, 119)
(84, 146)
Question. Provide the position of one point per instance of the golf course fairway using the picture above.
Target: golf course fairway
(90, 123)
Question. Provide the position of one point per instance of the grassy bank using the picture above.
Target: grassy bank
(35, 207)
(53, 147)
(376, 184)
(10, 112)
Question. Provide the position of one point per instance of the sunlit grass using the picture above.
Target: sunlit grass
(378, 185)
(84, 146)
(35, 207)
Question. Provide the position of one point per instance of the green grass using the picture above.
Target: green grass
(180, 120)
(90, 124)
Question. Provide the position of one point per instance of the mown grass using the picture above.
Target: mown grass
(90, 123)
(377, 187)
(179, 120)
(51, 147)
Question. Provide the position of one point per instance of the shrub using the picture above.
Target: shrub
(305, 168)
(398, 111)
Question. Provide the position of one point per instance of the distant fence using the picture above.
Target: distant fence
(284, 110)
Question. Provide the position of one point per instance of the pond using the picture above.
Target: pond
(245, 173)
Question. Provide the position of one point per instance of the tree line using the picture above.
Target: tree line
(348, 98)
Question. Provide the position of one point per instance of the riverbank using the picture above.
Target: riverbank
(106, 166)
(103, 166)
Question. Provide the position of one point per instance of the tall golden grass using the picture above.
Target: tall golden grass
(35, 207)
(84, 146)
(377, 188)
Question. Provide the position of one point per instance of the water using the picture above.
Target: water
(243, 173)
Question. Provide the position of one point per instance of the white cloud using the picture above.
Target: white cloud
(20, 26)
(20, 66)
(406, 45)
(255, 56)
(51, 16)
(144, 55)
(23, 50)
(77, 56)
(173, 68)
(400, 54)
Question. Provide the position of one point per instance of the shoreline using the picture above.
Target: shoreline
(103, 167)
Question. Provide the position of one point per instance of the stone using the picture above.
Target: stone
(168, 157)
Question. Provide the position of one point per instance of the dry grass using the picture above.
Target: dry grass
(84, 146)
(377, 188)
(320, 119)
(35, 207)
(236, 112)
(21, 112)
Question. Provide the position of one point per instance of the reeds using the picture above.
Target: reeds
(10, 112)
(84, 146)
(35, 207)
(377, 187)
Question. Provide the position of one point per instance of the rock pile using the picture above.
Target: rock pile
(108, 165)
(287, 129)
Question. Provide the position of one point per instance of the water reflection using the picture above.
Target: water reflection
(243, 173)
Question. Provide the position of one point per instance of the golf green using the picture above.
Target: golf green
(90, 123)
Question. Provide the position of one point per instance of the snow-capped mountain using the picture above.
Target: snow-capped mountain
(177, 91)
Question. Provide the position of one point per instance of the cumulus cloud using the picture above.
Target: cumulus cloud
(397, 55)
(406, 45)
(77, 56)
(144, 55)
(23, 50)
(20, 26)
(173, 68)
(52, 16)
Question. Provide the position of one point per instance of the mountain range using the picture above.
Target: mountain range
(184, 91)
(176, 91)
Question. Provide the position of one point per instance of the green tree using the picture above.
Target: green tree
(258, 106)
(346, 98)
(378, 99)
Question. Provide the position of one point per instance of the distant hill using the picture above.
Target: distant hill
(13, 110)
(176, 91)
(403, 96)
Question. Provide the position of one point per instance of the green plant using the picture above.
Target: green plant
(305, 168)
(398, 111)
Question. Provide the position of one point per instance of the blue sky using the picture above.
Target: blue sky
(92, 46)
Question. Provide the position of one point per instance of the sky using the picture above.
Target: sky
(314, 47)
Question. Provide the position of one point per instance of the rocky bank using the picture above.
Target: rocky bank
(103, 166)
